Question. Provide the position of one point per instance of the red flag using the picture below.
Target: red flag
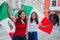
(11, 34)
(46, 22)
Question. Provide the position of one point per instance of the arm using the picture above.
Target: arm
(10, 25)
(45, 26)
(10, 16)
(0, 25)
(27, 34)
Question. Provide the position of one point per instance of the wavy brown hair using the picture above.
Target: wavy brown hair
(19, 18)
(36, 19)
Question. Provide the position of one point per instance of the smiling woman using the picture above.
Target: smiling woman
(20, 24)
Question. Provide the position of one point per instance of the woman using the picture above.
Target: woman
(20, 25)
(32, 27)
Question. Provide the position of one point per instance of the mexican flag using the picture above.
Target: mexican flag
(29, 9)
(4, 19)
(42, 19)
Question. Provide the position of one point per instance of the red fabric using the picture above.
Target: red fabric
(20, 29)
(46, 22)
(11, 34)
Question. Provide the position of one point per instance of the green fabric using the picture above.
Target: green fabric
(16, 15)
(27, 9)
(2, 5)
(4, 11)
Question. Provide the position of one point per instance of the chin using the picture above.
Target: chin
(23, 18)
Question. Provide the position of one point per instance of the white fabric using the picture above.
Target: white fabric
(5, 24)
(32, 26)
(4, 34)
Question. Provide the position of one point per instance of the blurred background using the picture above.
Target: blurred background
(46, 7)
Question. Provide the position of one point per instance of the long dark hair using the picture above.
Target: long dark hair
(19, 18)
(36, 19)
(55, 19)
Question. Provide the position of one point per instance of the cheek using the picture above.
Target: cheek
(34, 16)
(23, 16)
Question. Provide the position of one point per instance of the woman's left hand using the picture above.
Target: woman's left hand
(45, 26)
(27, 36)
(27, 17)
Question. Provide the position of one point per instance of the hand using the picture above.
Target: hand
(7, 5)
(27, 17)
(0, 25)
(27, 36)
(22, 22)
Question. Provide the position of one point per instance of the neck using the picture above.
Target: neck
(22, 21)
(33, 20)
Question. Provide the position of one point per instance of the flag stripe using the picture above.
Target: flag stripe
(27, 9)
(4, 11)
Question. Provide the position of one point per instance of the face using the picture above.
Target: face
(22, 15)
(33, 16)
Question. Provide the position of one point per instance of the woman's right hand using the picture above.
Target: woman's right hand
(27, 18)
(7, 5)
(9, 13)
(0, 25)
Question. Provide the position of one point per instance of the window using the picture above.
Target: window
(54, 3)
